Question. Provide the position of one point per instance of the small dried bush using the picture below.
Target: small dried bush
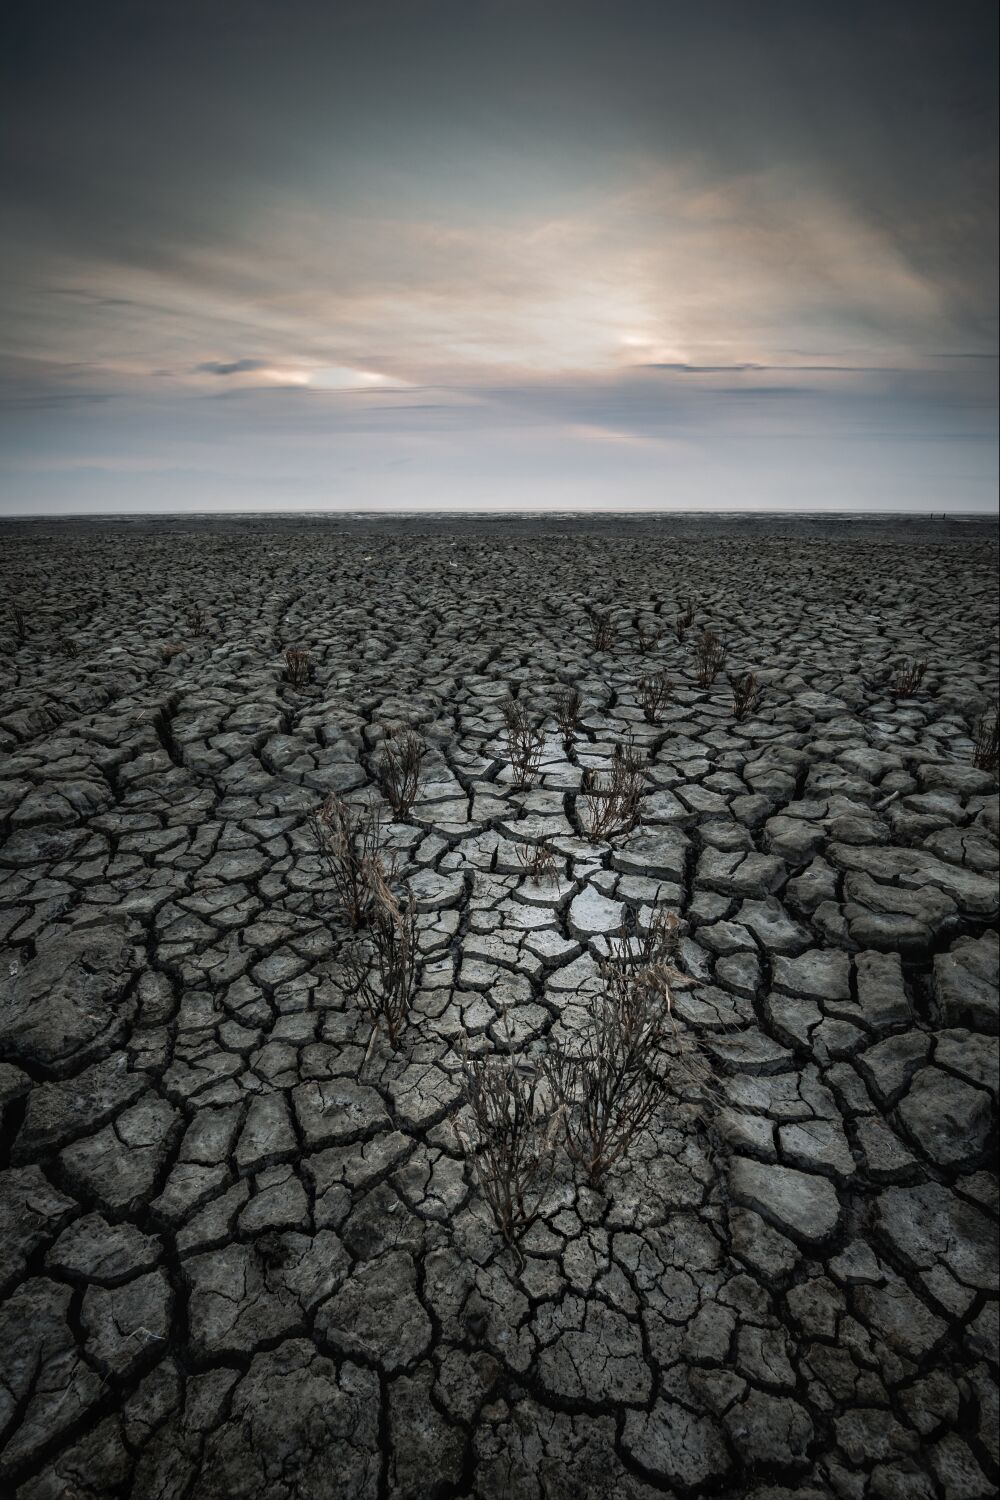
(654, 691)
(684, 620)
(648, 640)
(538, 862)
(195, 619)
(604, 628)
(524, 742)
(298, 668)
(986, 756)
(909, 676)
(709, 658)
(403, 752)
(382, 965)
(69, 647)
(611, 1084)
(349, 838)
(747, 695)
(513, 1149)
(567, 712)
(613, 801)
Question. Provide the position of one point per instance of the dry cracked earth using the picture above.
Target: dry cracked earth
(239, 1259)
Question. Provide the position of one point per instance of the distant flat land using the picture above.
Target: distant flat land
(242, 1253)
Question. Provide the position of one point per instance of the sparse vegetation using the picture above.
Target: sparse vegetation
(610, 1085)
(709, 658)
(195, 618)
(524, 742)
(605, 629)
(19, 625)
(382, 965)
(538, 862)
(613, 802)
(684, 620)
(68, 646)
(567, 712)
(648, 640)
(170, 649)
(513, 1150)
(655, 690)
(349, 838)
(403, 751)
(298, 666)
(909, 676)
(986, 756)
(747, 695)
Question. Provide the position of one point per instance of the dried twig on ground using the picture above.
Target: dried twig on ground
(403, 752)
(524, 742)
(655, 690)
(986, 756)
(349, 838)
(298, 668)
(567, 712)
(513, 1151)
(709, 657)
(747, 694)
(382, 965)
(612, 1082)
(909, 676)
(613, 802)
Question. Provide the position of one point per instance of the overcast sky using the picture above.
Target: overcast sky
(499, 254)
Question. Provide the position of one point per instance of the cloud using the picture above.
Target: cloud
(231, 367)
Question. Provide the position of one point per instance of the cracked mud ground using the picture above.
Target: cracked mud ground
(233, 1262)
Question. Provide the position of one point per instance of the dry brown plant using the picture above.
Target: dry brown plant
(403, 751)
(524, 742)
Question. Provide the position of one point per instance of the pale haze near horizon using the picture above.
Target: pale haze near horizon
(498, 256)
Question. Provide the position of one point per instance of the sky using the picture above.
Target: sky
(498, 254)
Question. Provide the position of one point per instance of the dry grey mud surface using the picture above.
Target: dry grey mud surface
(240, 1258)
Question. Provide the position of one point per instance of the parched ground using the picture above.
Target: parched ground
(235, 1261)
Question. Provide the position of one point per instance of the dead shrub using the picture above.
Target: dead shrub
(195, 618)
(68, 646)
(909, 676)
(538, 862)
(986, 756)
(403, 752)
(604, 628)
(655, 690)
(567, 712)
(684, 620)
(648, 640)
(382, 965)
(513, 1149)
(349, 839)
(613, 801)
(524, 742)
(709, 658)
(747, 695)
(19, 625)
(298, 667)
(611, 1084)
